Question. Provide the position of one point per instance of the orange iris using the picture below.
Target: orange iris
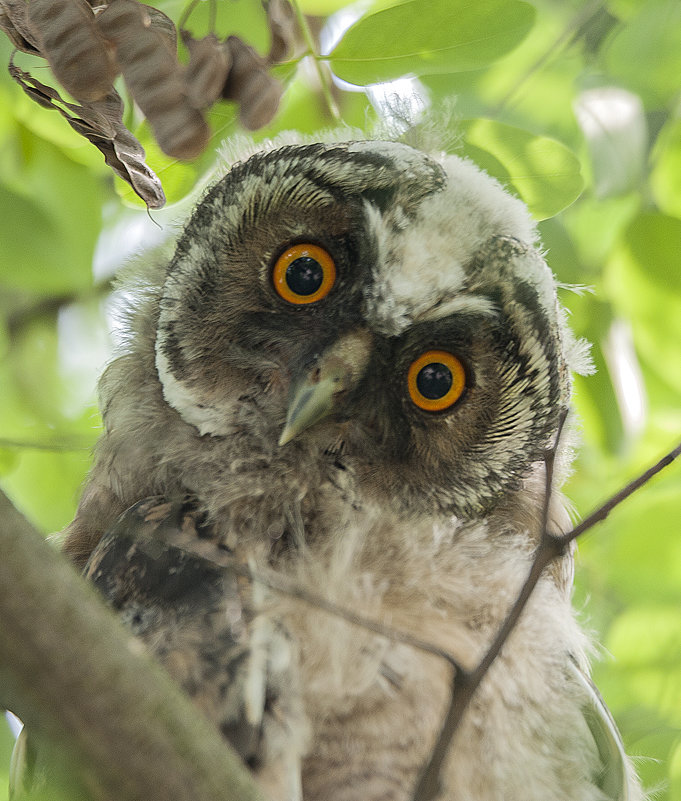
(436, 380)
(304, 273)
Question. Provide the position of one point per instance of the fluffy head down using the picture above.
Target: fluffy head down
(430, 254)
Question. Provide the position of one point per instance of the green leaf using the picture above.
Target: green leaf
(426, 37)
(654, 242)
(242, 18)
(675, 770)
(645, 53)
(8, 460)
(647, 640)
(541, 171)
(643, 537)
(321, 8)
(642, 282)
(50, 248)
(665, 179)
(595, 225)
(29, 235)
(6, 745)
(46, 486)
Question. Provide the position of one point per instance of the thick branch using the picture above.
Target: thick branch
(72, 673)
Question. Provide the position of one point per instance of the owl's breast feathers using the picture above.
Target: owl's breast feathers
(285, 432)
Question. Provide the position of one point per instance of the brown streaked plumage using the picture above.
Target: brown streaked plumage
(377, 499)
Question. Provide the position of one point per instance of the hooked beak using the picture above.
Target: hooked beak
(335, 372)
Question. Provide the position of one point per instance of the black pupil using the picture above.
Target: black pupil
(434, 381)
(304, 276)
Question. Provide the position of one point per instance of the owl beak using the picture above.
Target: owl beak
(335, 372)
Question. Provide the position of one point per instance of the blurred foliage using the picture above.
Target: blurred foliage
(554, 98)
(6, 744)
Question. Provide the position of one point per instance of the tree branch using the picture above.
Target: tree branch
(76, 678)
(465, 683)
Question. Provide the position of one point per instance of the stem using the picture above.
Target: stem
(465, 683)
(311, 51)
(565, 38)
(604, 510)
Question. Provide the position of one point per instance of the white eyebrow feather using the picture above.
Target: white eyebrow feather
(462, 303)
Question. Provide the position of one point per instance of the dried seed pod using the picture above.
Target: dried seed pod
(164, 25)
(154, 77)
(125, 155)
(101, 123)
(209, 63)
(14, 22)
(251, 85)
(281, 20)
(78, 55)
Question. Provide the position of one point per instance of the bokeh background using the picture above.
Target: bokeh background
(575, 106)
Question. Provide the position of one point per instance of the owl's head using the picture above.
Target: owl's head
(383, 307)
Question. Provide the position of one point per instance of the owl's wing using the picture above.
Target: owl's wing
(613, 779)
(171, 584)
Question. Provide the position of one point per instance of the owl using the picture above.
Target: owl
(342, 387)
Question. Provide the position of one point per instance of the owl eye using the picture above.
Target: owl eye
(304, 273)
(436, 380)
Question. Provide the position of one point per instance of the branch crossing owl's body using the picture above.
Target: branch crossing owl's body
(351, 369)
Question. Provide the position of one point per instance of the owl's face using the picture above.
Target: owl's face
(382, 307)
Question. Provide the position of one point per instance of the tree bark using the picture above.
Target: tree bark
(79, 681)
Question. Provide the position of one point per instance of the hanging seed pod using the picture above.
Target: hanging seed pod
(154, 77)
(101, 123)
(251, 85)
(14, 22)
(75, 50)
(209, 63)
(281, 21)
(162, 23)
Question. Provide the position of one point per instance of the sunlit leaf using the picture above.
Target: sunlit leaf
(647, 641)
(70, 199)
(675, 770)
(6, 745)
(423, 37)
(596, 224)
(321, 7)
(47, 486)
(238, 17)
(615, 129)
(29, 235)
(646, 566)
(665, 179)
(8, 460)
(654, 242)
(542, 171)
(645, 52)
(640, 280)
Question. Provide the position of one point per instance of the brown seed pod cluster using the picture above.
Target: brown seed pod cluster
(76, 51)
(88, 45)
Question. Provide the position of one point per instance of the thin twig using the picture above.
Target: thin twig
(20, 317)
(311, 51)
(550, 546)
(34, 445)
(564, 39)
(280, 584)
(604, 510)
(466, 683)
